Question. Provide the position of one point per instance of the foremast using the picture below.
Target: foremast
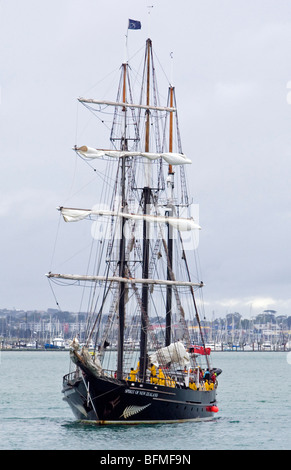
(121, 307)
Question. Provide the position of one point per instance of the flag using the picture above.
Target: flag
(133, 24)
(200, 350)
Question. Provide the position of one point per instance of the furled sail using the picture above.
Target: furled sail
(175, 353)
(180, 223)
(76, 354)
(170, 158)
(127, 105)
(129, 281)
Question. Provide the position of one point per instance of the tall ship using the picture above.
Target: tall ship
(144, 358)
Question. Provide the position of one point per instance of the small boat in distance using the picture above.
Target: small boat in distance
(144, 368)
(57, 343)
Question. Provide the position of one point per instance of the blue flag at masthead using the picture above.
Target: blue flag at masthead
(134, 24)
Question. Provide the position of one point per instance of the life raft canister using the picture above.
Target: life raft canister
(213, 409)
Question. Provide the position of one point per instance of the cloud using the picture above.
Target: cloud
(26, 203)
(246, 306)
(234, 94)
(232, 75)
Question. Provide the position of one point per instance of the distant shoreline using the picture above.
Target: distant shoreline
(213, 351)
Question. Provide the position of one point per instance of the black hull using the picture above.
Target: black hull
(108, 401)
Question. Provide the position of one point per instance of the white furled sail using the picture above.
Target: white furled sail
(180, 223)
(175, 353)
(170, 158)
(127, 105)
(129, 281)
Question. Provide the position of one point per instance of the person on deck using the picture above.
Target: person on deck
(206, 385)
(161, 377)
(132, 375)
(192, 385)
(207, 375)
(153, 378)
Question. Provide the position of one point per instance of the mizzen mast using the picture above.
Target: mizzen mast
(170, 187)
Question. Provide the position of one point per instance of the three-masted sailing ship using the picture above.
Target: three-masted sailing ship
(139, 362)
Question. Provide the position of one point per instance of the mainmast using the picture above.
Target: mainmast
(146, 194)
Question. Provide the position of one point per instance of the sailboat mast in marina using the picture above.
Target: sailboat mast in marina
(139, 363)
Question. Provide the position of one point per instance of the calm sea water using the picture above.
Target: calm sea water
(253, 398)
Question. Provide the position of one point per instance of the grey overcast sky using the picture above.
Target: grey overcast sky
(232, 73)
